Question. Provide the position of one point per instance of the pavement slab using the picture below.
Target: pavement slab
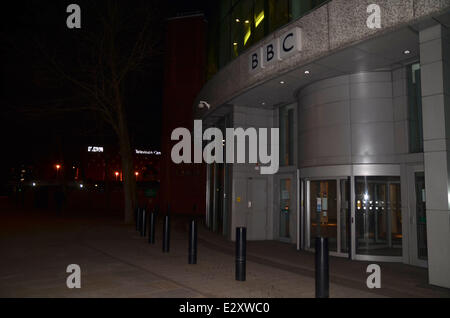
(36, 248)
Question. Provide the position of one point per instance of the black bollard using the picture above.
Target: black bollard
(144, 223)
(322, 268)
(139, 220)
(151, 228)
(241, 258)
(192, 243)
(166, 234)
(136, 218)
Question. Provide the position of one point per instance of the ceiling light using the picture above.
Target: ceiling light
(235, 44)
(247, 21)
(307, 72)
(406, 52)
(282, 82)
(237, 20)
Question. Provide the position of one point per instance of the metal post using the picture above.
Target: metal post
(241, 246)
(136, 218)
(166, 234)
(151, 229)
(192, 243)
(144, 223)
(322, 268)
(139, 219)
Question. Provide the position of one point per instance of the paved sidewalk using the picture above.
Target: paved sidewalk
(398, 280)
(36, 247)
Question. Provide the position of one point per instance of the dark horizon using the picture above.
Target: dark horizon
(29, 83)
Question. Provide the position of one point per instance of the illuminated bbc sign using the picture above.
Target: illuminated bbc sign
(277, 50)
(95, 149)
(147, 152)
(138, 152)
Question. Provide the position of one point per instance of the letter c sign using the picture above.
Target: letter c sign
(288, 47)
(290, 43)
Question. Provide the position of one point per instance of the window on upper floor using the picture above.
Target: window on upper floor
(287, 132)
(415, 109)
(235, 25)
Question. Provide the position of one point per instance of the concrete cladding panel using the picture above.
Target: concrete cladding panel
(348, 18)
(347, 120)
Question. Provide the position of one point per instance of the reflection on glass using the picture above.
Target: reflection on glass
(278, 13)
(323, 212)
(218, 226)
(241, 26)
(235, 25)
(286, 115)
(345, 216)
(212, 191)
(224, 39)
(378, 216)
(299, 8)
(415, 109)
(422, 250)
(259, 20)
(285, 207)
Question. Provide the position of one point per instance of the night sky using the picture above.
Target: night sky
(31, 90)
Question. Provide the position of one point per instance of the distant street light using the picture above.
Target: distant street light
(116, 174)
(58, 166)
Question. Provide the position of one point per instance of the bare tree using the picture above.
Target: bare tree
(121, 42)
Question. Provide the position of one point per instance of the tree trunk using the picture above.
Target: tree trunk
(107, 182)
(126, 154)
(129, 188)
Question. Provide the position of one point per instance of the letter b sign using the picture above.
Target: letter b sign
(255, 61)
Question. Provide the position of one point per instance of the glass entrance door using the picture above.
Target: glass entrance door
(378, 216)
(344, 228)
(286, 208)
(323, 212)
(328, 213)
(421, 218)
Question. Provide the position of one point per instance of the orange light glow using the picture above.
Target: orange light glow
(58, 167)
(136, 173)
(116, 173)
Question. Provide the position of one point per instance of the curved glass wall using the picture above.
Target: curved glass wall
(236, 25)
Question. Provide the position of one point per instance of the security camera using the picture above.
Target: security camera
(203, 104)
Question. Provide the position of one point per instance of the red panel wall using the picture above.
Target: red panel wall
(182, 186)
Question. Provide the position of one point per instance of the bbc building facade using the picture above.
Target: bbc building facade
(364, 120)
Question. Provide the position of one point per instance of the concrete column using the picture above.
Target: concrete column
(435, 74)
